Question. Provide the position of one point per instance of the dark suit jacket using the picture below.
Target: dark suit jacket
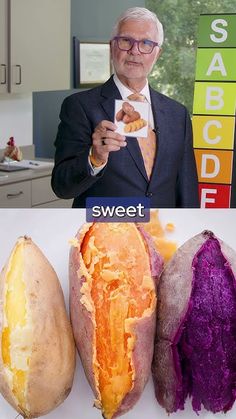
(173, 181)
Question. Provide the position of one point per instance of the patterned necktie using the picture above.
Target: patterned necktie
(147, 145)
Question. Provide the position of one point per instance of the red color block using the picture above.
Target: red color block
(214, 195)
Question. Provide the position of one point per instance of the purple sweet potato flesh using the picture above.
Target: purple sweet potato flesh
(205, 345)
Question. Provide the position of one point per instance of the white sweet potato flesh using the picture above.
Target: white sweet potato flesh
(37, 353)
(113, 304)
(16, 335)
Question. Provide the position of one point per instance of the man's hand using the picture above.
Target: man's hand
(106, 140)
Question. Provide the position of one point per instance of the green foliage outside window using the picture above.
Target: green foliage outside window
(174, 72)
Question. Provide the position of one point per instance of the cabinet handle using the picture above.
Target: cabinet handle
(19, 66)
(14, 195)
(5, 74)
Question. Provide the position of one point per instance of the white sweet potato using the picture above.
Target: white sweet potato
(113, 274)
(37, 351)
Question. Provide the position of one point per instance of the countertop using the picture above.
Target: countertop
(24, 175)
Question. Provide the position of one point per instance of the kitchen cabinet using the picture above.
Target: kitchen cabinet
(31, 192)
(3, 47)
(16, 195)
(35, 36)
(42, 195)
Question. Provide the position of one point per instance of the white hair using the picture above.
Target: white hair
(139, 13)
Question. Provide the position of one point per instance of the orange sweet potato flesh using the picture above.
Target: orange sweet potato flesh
(163, 245)
(116, 285)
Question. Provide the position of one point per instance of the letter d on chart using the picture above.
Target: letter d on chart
(213, 173)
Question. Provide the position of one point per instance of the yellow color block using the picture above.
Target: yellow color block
(214, 166)
(215, 132)
(214, 98)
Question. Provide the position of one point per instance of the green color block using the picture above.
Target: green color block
(222, 35)
(216, 64)
(214, 98)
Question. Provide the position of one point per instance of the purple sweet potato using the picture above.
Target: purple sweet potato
(196, 327)
(113, 274)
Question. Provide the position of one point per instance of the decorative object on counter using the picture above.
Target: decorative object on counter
(12, 152)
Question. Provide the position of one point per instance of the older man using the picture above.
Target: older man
(93, 160)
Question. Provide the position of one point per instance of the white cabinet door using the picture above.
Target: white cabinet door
(39, 45)
(16, 195)
(3, 46)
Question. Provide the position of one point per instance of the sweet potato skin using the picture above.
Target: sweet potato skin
(82, 320)
(174, 291)
(52, 362)
(120, 114)
(127, 113)
(83, 326)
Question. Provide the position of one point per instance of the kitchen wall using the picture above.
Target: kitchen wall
(91, 20)
(16, 116)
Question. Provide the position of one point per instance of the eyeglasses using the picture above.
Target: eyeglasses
(145, 46)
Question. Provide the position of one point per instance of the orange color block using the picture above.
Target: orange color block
(214, 166)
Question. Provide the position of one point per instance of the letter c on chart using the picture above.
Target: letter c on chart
(208, 140)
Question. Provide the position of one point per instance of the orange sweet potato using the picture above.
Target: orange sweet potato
(130, 114)
(128, 108)
(131, 118)
(37, 351)
(120, 114)
(113, 273)
(136, 125)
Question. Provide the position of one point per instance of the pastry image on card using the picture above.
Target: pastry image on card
(131, 118)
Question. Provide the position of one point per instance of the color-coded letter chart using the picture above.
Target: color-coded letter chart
(214, 111)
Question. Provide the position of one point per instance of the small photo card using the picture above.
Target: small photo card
(131, 118)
